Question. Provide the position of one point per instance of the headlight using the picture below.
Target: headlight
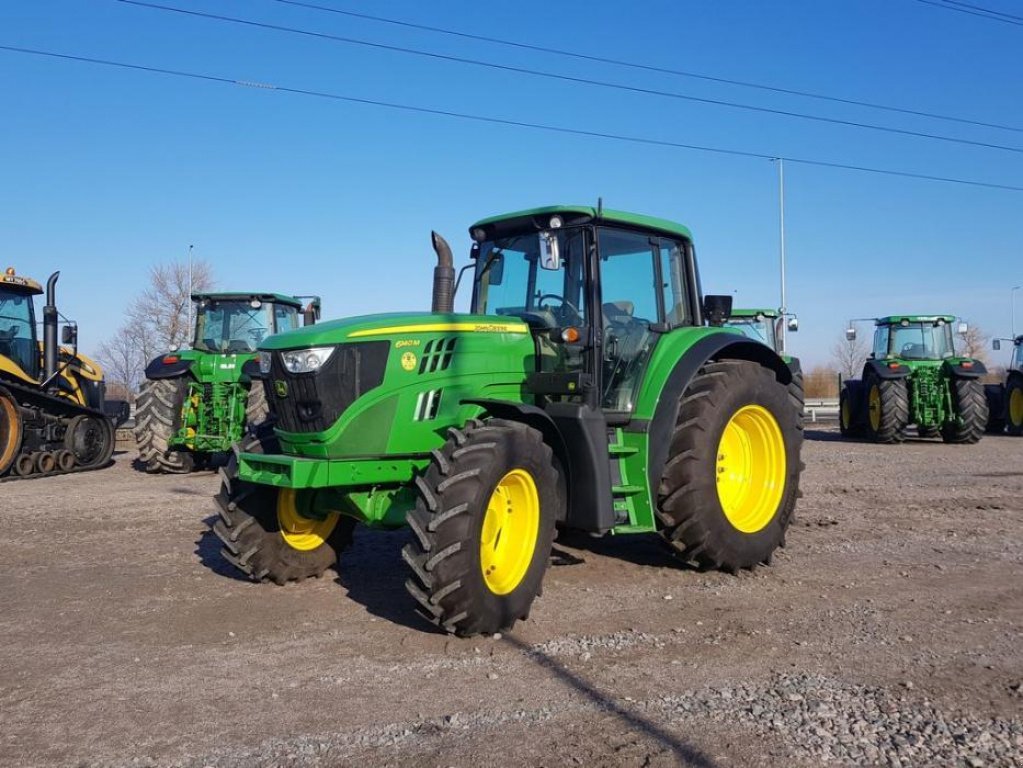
(265, 359)
(306, 360)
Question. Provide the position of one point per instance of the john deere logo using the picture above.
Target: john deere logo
(408, 361)
(281, 388)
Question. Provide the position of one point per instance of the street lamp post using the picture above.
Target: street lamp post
(782, 310)
(188, 299)
(1012, 306)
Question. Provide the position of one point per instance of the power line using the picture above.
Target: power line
(569, 78)
(976, 10)
(648, 67)
(500, 121)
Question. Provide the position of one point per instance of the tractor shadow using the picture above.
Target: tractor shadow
(646, 551)
(827, 436)
(373, 574)
(207, 549)
(686, 754)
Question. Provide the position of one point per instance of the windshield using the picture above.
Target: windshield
(17, 331)
(511, 279)
(1017, 357)
(919, 341)
(238, 326)
(761, 329)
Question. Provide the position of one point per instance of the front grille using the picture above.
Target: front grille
(311, 402)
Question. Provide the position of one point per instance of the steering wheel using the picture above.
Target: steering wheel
(561, 313)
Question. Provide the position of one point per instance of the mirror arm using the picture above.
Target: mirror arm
(458, 280)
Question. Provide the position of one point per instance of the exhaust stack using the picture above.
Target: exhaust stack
(443, 277)
(50, 348)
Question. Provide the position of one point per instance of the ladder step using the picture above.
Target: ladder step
(622, 450)
(626, 490)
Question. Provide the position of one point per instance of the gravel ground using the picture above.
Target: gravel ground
(888, 632)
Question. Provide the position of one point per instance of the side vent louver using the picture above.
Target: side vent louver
(437, 355)
(427, 405)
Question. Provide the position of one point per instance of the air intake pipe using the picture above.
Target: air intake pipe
(443, 277)
(50, 348)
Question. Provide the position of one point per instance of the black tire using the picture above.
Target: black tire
(928, 431)
(11, 431)
(1013, 392)
(444, 556)
(848, 424)
(156, 420)
(972, 412)
(894, 409)
(257, 410)
(997, 411)
(90, 439)
(690, 509)
(249, 528)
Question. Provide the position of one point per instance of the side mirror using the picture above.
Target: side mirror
(793, 324)
(996, 344)
(550, 251)
(963, 328)
(850, 334)
(717, 308)
(69, 335)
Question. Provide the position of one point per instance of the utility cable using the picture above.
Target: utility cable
(976, 10)
(501, 121)
(569, 78)
(647, 67)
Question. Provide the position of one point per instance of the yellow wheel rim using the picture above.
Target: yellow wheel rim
(1016, 407)
(751, 468)
(510, 527)
(845, 414)
(299, 532)
(10, 431)
(874, 404)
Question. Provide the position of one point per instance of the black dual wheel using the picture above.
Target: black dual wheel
(850, 424)
(971, 409)
(1014, 406)
(483, 526)
(887, 409)
(731, 481)
(275, 534)
(156, 422)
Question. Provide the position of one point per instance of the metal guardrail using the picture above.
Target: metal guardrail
(820, 409)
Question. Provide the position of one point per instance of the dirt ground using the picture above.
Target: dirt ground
(889, 631)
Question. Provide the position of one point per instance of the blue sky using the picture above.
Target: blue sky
(108, 171)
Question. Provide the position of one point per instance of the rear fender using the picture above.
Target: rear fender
(965, 369)
(160, 369)
(883, 370)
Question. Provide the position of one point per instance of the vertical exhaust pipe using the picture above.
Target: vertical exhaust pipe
(443, 277)
(50, 348)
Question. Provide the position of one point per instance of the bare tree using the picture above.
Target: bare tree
(156, 322)
(849, 355)
(975, 343)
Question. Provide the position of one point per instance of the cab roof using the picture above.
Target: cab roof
(277, 298)
(15, 282)
(896, 319)
(754, 312)
(539, 218)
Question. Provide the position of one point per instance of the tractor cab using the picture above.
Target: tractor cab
(757, 324)
(19, 343)
(235, 323)
(915, 338)
(596, 293)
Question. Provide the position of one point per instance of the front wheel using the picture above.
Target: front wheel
(275, 534)
(729, 487)
(483, 525)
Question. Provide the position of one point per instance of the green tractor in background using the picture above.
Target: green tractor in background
(196, 403)
(1005, 401)
(764, 325)
(914, 376)
(583, 390)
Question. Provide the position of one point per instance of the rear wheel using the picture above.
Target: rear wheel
(11, 431)
(483, 525)
(275, 534)
(256, 408)
(156, 420)
(996, 408)
(887, 409)
(971, 410)
(927, 431)
(847, 425)
(730, 484)
(1014, 406)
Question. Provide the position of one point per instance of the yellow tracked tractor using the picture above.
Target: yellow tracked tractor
(51, 398)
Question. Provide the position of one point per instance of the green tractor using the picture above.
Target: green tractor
(914, 376)
(1005, 401)
(763, 325)
(583, 390)
(196, 403)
